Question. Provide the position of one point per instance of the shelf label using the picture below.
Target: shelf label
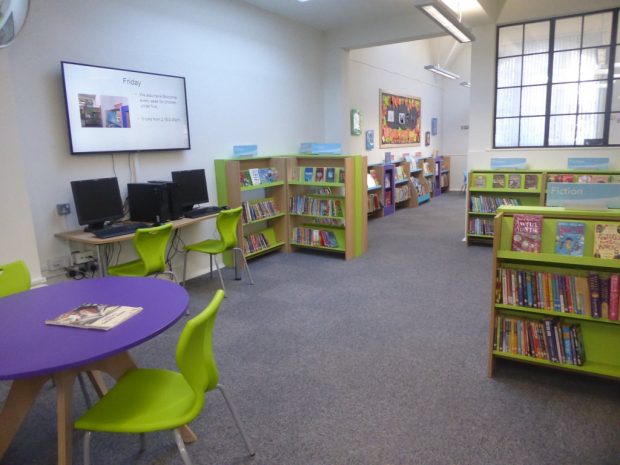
(320, 149)
(245, 150)
(508, 163)
(588, 163)
(582, 196)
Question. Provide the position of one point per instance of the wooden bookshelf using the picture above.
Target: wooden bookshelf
(555, 291)
(325, 215)
(421, 183)
(405, 196)
(376, 193)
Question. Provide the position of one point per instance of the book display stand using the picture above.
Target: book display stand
(375, 190)
(557, 307)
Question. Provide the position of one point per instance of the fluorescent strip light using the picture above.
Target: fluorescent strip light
(465, 84)
(441, 71)
(443, 16)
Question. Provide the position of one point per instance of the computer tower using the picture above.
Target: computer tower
(174, 200)
(148, 202)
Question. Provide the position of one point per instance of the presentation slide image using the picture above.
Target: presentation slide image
(104, 111)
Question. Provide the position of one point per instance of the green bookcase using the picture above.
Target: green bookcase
(600, 336)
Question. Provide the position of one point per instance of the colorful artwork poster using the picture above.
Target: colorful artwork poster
(400, 120)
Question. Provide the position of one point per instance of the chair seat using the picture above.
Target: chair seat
(210, 246)
(142, 401)
(133, 268)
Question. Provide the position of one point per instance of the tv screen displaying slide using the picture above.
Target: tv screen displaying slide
(118, 110)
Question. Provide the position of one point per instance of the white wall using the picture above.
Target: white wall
(483, 82)
(251, 78)
(396, 68)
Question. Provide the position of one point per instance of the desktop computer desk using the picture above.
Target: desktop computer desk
(82, 237)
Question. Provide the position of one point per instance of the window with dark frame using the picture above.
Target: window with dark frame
(558, 82)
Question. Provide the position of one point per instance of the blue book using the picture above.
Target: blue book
(569, 238)
(308, 174)
(568, 349)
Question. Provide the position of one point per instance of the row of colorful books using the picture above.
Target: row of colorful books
(569, 237)
(374, 203)
(546, 339)
(258, 176)
(337, 222)
(254, 243)
(304, 205)
(258, 210)
(583, 178)
(481, 226)
(402, 193)
(515, 181)
(595, 295)
(484, 204)
(318, 174)
(314, 237)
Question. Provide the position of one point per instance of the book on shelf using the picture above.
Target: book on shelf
(254, 176)
(246, 178)
(319, 174)
(254, 243)
(531, 181)
(526, 233)
(95, 316)
(341, 175)
(594, 285)
(569, 239)
(499, 181)
(330, 174)
(561, 178)
(599, 178)
(370, 181)
(514, 181)
(480, 180)
(607, 240)
(308, 173)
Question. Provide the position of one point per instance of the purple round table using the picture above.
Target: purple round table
(31, 352)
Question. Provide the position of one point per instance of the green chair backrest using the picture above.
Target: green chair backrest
(227, 221)
(14, 278)
(150, 243)
(194, 354)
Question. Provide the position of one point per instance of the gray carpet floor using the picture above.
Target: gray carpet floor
(377, 361)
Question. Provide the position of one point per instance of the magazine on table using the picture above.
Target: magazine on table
(95, 316)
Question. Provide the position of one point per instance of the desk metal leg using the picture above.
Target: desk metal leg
(103, 265)
(236, 260)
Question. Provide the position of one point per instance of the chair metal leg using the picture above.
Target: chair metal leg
(217, 267)
(142, 442)
(245, 263)
(87, 436)
(210, 266)
(181, 445)
(84, 391)
(185, 266)
(233, 412)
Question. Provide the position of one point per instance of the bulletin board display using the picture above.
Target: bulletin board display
(400, 118)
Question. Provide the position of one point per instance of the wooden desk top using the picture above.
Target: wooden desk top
(79, 235)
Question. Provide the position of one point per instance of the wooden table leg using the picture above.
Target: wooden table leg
(21, 396)
(64, 419)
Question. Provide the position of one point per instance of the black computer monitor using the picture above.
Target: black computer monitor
(97, 201)
(192, 187)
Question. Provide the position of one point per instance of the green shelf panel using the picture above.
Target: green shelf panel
(271, 248)
(553, 314)
(317, 184)
(505, 191)
(482, 214)
(262, 186)
(602, 369)
(479, 236)
(329, 249)
(317, 216)
(279, 215)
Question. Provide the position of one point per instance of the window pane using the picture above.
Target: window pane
(533, 100)
(510, 41)
(597, 29)
(589, 128)
(564, 98)
(532, 132)
(614, 128)
(594, 64)
(592, 96)
(507, 132)
(566, 66)
(536, 37)
(562, 130)
(567, 33)
(508, 102)
(509, 72)
(535, 69)
(615, 98)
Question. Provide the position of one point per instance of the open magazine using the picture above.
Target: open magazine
(95, 316)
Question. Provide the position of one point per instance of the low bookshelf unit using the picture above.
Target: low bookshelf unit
(555, 289)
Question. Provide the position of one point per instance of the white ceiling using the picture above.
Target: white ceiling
(328, 15)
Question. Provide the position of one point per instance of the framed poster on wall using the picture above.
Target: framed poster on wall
(400, 118)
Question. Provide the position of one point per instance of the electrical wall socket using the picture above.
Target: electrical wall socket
(63, 209)
(57, 263)
(82, 257)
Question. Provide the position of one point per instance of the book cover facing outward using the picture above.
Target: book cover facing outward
(607, 240)
(569, 238)
(95, 316)
(526, 233)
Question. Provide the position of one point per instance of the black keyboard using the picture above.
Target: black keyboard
(203, 211)
(119, 229)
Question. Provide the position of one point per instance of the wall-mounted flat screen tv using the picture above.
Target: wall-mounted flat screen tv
(119, 110)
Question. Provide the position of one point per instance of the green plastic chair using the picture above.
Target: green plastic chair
(14, 278)
(150, 244)
(148, 400)
(227, 221)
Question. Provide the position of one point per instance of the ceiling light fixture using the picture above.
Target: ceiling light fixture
(443, 16)
(441, 71)
(466, 84)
